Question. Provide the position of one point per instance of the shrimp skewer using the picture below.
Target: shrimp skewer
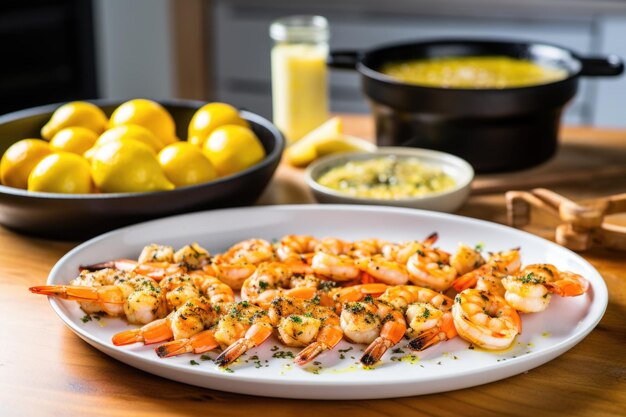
(485, 319)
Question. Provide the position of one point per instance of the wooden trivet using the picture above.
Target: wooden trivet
(583, 224)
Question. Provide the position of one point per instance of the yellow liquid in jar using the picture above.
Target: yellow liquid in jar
(299, 90)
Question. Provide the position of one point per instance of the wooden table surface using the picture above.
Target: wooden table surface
(46, 370)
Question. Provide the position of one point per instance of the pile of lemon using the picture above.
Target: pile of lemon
(136, 150)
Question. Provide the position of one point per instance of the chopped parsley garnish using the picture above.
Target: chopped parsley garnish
(283, 354)
(296, 319)
(531, 278)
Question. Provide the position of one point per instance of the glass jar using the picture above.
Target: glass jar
(299, 75)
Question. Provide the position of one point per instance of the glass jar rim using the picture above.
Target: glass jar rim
(300, 28)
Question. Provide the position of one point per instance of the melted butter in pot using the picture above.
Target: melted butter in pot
(473, 72)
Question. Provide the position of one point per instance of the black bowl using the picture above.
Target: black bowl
(80, 216)
(493, 129)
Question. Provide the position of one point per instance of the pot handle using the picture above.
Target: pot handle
(343, 59)
(610, 65)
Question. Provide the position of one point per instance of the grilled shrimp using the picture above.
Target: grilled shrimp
(240, 261)
(113, 292)
(426, 311)
(156, 253)
(366, 247)
(430, 267)
(336, 267)
(296, 248)
(466, 259)
(240, 327)
(374, 322)
(193, 256)
(530, 290)
(401, 252)
(274, 279)
(243, 327)
(195, 315)
(383, 270)
(305, 323)
(485, 319)
(488, 277)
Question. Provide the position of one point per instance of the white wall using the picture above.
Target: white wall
(133, 48)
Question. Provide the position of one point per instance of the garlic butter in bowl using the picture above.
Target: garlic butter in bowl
(392, 176)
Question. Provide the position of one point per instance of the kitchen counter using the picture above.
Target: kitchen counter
(46, 370)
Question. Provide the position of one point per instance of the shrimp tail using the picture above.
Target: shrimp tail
(327, 339)
(198, 343)
(106, 294)
(256, 335)
(154, 332)
(309, 353)
(376, 350)
(234, 351)
(427, 339)
(464, 282)
(390, 334)
(572, 285)
(431, 239)
(127, 337)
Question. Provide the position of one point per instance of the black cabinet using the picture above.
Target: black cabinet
(46, 52)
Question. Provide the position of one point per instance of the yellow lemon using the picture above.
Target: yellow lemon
(184, 164)
(208, 118)
(73, 139)
(76, 113)
(62, 172)
(20, 159)
(136, 132)
(127, 166)
(233, 148)
(149, 114)
(326, 139)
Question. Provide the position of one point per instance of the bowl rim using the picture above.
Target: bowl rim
(443, 158)
(383, 78)
(270, 158)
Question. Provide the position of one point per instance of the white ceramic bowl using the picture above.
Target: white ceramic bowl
(446, 201)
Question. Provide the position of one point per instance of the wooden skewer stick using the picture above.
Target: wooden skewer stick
(584, 223)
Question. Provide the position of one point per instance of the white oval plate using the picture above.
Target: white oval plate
(447, 366)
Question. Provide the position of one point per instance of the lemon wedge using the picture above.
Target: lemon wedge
(328, 138)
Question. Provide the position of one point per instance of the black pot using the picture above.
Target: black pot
(493, 129)
(81, 216)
